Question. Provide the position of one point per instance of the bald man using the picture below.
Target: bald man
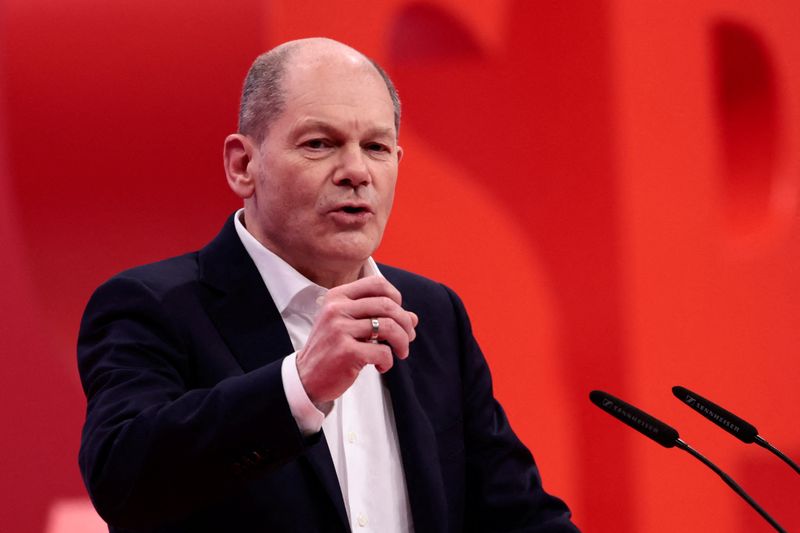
(279, 379)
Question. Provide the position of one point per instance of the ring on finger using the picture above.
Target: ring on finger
(373, 337)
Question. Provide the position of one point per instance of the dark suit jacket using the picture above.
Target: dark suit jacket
(188, 429)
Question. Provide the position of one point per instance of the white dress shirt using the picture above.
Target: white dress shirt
(360, 428)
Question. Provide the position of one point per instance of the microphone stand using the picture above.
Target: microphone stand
(731, 483)
(761, 441)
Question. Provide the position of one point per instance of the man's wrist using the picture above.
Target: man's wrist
(307, 415)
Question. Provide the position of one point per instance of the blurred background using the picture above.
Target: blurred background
(611, 185)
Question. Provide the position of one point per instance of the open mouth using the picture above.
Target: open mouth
(352, 214)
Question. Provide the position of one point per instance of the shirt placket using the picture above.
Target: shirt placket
(356, 443)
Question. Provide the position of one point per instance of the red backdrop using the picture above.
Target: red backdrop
(611, 185)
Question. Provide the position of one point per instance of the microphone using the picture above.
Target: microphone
(739, 428)
(668, 437)
(638, 420)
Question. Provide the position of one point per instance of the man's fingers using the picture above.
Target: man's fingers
(389, 332)
(395, 335)
(379, 355)
(379, 306)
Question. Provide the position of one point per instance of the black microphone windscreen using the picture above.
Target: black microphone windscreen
(635, 418)
(723, 418)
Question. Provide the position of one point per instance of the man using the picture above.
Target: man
(278, 380)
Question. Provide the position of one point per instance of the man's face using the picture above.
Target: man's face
(326, 170)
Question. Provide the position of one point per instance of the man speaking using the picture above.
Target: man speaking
(278, 379)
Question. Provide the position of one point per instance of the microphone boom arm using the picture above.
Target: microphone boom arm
(730, 482)
(761, 441)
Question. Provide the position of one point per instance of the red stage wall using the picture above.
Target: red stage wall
(611, 185)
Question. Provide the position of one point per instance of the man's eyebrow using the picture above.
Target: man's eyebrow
(381, 132)
(329, 129)
(313, 124)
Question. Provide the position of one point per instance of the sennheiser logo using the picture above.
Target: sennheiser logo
(609, 405)
(713, 415)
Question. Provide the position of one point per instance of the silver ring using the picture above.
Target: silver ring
(373, 338)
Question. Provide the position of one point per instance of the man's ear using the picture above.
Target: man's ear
(238, 152)
(399, 153)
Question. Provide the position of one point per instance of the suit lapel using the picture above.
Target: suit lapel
(418, 448)
(239, 304)
(242, 309)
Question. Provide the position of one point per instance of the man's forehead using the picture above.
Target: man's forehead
(328, 62)
(336, 79)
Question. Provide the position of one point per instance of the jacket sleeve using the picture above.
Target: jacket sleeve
(504, 490)
(154, 448)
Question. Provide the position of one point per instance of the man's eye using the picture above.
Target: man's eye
(376, 147)
(316, 144)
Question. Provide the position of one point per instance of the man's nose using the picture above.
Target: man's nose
(353, 169)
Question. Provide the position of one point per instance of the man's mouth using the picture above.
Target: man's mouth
(352, 208)
(352, 214)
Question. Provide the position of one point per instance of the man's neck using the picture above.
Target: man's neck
(333, 278)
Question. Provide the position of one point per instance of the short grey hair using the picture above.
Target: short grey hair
(263, 95)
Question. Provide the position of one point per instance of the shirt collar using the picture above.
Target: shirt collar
(284, 283)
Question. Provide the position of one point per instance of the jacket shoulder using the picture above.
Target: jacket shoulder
(222, 254)
(164, 275)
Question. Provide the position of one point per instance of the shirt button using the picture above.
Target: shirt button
(362, 520)
(351, 437)
(320, 300)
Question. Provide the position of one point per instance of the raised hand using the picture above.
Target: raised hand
(339, 346)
